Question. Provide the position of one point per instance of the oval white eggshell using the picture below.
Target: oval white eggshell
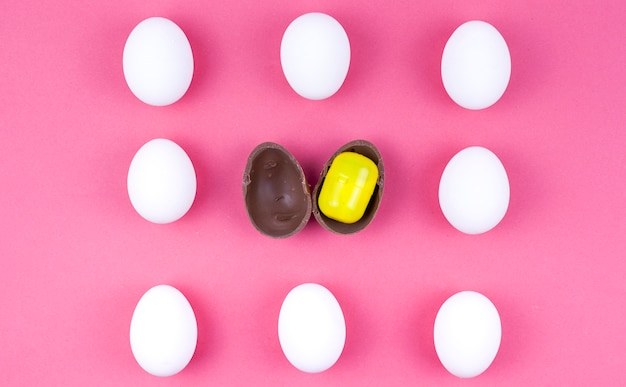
(161, 181)
(315, 55)
(476, 65)
(163, 331)
(311, 328)
(467, 334)
(474, 190)
(158, 61)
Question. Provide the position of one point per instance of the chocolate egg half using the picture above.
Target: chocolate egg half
(346, 186)
(275, 191)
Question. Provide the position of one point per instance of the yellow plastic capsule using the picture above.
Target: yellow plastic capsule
(348, 187)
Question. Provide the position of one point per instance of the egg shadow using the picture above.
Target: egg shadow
(533, 64)
(205, 53)
(366, 58)
(527, 188)
(201, 161)
(208, 345)
(516, 335)
(358, 335)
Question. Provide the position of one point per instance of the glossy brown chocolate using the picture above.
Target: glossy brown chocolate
(275, 191)
(368, 150)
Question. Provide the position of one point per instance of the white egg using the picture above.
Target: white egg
(161, 181)
(476, 65)
(315, 55)
(163, 331)
(311, 328)
(467, 334)
(158, 62)
(474, 190)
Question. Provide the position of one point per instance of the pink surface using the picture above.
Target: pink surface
(76, 257)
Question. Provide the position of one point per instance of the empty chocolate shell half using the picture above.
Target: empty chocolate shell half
(368, 150)
(275, 191)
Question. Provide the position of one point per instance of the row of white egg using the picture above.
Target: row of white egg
(315, 57)
(473, 190)
(312, 331)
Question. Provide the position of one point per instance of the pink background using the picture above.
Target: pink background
(76, 257)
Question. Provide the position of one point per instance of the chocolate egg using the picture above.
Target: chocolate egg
(346, 186)
(275, 191)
